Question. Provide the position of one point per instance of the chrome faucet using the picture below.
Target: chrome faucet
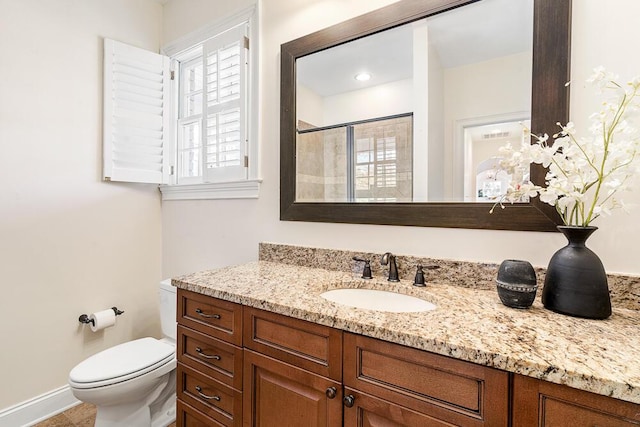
(390, 259)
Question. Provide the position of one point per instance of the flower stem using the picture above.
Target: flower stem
(608, 135)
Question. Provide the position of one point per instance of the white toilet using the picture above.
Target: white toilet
(133, 384)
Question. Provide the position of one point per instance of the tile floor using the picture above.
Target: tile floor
(83, 415)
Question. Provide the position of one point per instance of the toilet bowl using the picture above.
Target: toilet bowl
(134, 383)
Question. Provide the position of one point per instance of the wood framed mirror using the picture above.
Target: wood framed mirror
(549, 104)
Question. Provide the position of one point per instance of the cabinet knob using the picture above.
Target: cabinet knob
(349, 400)
(331, 392)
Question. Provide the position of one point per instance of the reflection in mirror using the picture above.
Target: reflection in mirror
(367, 161)
(406, 133)
(484, 179)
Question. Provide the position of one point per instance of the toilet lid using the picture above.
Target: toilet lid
(133, 357)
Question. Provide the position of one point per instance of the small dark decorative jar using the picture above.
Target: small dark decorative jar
(517, 284)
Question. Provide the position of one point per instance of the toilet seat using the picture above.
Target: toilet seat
(121, 363)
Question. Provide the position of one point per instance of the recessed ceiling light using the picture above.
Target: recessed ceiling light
(362, 77)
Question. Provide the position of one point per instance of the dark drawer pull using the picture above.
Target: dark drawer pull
(199, 390)
(207, 356)
(207, 316)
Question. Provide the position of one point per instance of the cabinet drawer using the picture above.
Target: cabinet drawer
(187, 416)
(217, 318)
(214, 399)
(540, 403)
(215, 358)
(310, 346)
(458, 392)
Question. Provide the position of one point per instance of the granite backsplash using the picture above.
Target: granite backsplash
(624, 290)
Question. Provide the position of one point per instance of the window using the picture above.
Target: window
(208, 113)
(212, 100)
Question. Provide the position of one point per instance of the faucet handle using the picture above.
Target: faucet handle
(366, 271)
(419, 279)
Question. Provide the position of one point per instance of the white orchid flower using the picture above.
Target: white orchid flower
(583, 173)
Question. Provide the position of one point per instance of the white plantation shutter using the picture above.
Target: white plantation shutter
(225, 101)
(136, 117)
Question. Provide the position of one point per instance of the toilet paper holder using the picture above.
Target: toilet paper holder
(84, 318)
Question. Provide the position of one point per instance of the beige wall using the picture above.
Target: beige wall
(69, 243)
(181, 17)
(199, 235)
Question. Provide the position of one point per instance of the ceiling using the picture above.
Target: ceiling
(473, 33)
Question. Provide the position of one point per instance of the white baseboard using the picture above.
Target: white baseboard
(39, 408)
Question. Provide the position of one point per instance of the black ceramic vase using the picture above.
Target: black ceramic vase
(576, 282)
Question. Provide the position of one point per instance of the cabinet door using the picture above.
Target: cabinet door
(277, 394)
(367, 411)
(541, 403)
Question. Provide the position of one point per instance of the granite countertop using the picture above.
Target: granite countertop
(600, 356)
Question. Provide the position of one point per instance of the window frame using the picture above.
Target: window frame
(187, 47)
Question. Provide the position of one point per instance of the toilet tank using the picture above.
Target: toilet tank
(168, 302)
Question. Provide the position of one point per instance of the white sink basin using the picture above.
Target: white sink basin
(371, 299)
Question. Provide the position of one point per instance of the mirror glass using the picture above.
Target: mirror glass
(416, 113)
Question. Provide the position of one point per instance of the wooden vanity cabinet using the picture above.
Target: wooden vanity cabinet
(241, 366)
(210, 359)
(544, 404)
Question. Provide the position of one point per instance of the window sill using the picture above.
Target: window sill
(248, 189)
